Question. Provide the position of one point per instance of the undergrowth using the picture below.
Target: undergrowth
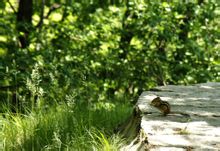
(65, 127)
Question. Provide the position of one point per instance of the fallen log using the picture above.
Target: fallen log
(149, 129)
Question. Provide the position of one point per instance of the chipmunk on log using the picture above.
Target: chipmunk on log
(164, 107)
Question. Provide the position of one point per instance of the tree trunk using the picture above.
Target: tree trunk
(24, 21)
(126, 33)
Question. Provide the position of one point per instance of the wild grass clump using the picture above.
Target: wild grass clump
(65, 127)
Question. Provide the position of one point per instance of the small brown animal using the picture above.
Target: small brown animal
(164, 107)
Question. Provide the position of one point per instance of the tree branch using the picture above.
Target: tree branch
(65, 12)
(52, 8)
(41, 14)
(12, 6)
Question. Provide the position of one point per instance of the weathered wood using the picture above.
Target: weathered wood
(130, 128)
(200, 131)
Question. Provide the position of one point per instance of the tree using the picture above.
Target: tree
(24, 21)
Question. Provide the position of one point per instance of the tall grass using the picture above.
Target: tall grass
(61, 125)
(65, 127)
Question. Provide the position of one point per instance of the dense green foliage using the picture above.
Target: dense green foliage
(107, 51)
(87, 52)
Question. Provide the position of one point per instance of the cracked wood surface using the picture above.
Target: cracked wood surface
(200, 131)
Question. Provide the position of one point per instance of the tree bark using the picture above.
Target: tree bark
(24, 21)
(126, 33)
(41, 14)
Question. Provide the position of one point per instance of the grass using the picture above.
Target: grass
(65, 127)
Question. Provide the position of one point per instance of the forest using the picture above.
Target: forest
(72, 70)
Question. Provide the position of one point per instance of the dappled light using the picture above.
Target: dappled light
(71, 71)
(192, 122)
